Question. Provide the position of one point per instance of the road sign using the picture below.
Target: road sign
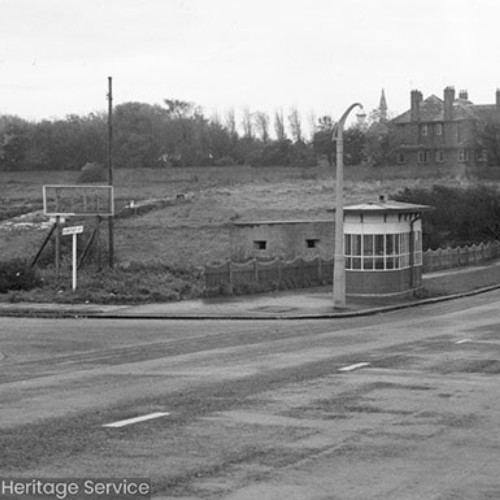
(72, 230)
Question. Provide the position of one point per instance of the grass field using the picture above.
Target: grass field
(196, 233)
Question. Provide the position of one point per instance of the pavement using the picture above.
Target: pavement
(297, 304)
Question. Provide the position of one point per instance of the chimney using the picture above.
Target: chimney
(498, 98)
(449, 98)
(463, 94)
(416, 99)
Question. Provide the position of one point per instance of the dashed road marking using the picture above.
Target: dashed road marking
(123, 423)
(488, 342)
(353, 367)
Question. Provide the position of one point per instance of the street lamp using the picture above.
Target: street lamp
(338, 260)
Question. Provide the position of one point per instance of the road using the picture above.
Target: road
(403, 405)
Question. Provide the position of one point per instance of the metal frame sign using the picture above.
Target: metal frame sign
(65, 200)
(72, 230)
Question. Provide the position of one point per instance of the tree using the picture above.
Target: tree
(262, 124)
(231, 123)
(488, 138)
(295, 124)
(279, 125)
(247, 124)
(323, 143)
(15, 143)
(461, 216)
(354, 146)
(313, 124)
(139, 132)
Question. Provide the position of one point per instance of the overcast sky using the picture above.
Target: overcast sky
(317, 55)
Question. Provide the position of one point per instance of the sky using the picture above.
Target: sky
(318, 56)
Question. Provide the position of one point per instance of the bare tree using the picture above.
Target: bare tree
(279, 125)
(215, 118)
(262, 124)
(247, 123)
(295, 124)
(231, 122)
(313, 123)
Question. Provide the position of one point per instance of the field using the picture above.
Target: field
(195, 232)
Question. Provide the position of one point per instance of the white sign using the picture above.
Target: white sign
(72, 230)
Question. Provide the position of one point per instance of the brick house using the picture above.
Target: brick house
(443, 132)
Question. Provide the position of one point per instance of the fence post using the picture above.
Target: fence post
(231, 278)
(320, 277)
(256, 271)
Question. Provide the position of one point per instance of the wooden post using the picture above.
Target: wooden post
(231, 279)
(110, 167)
(58, 246)
(44, 244)
(98, 243)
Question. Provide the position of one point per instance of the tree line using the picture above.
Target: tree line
(178, 134)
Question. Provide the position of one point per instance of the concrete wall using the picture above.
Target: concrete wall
(285, 239)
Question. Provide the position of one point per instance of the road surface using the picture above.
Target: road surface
(403, 405)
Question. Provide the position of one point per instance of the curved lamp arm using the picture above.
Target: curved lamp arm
(343, 118)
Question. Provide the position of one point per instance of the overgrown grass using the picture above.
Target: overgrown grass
(133, 283)
(191, 234)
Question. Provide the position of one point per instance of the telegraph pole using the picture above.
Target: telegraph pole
(110, 166)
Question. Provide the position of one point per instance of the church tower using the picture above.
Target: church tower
(382, 108)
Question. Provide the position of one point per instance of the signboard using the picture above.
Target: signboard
(62, 200)
(72, 230)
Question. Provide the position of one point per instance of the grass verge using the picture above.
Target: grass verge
(126, 284)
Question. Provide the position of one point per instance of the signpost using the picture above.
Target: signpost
(62, 201)
(74, 231)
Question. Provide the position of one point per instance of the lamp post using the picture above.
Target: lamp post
(339, 260)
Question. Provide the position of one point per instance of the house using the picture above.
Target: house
(443, 132)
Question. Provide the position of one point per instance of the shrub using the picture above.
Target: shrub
(16, 274)
(92, 172)
(224, 161)
(462, 216)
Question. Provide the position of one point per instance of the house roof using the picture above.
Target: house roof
(387, 206)
(431, 109)
(279, 222)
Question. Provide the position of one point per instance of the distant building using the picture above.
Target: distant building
(445, 132)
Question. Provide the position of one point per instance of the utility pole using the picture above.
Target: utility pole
(110, 166)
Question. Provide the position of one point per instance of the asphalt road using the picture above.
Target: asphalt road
(403, 405)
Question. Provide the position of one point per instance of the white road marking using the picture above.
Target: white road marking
(353, 367)
(122, 423)
(490, 342)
